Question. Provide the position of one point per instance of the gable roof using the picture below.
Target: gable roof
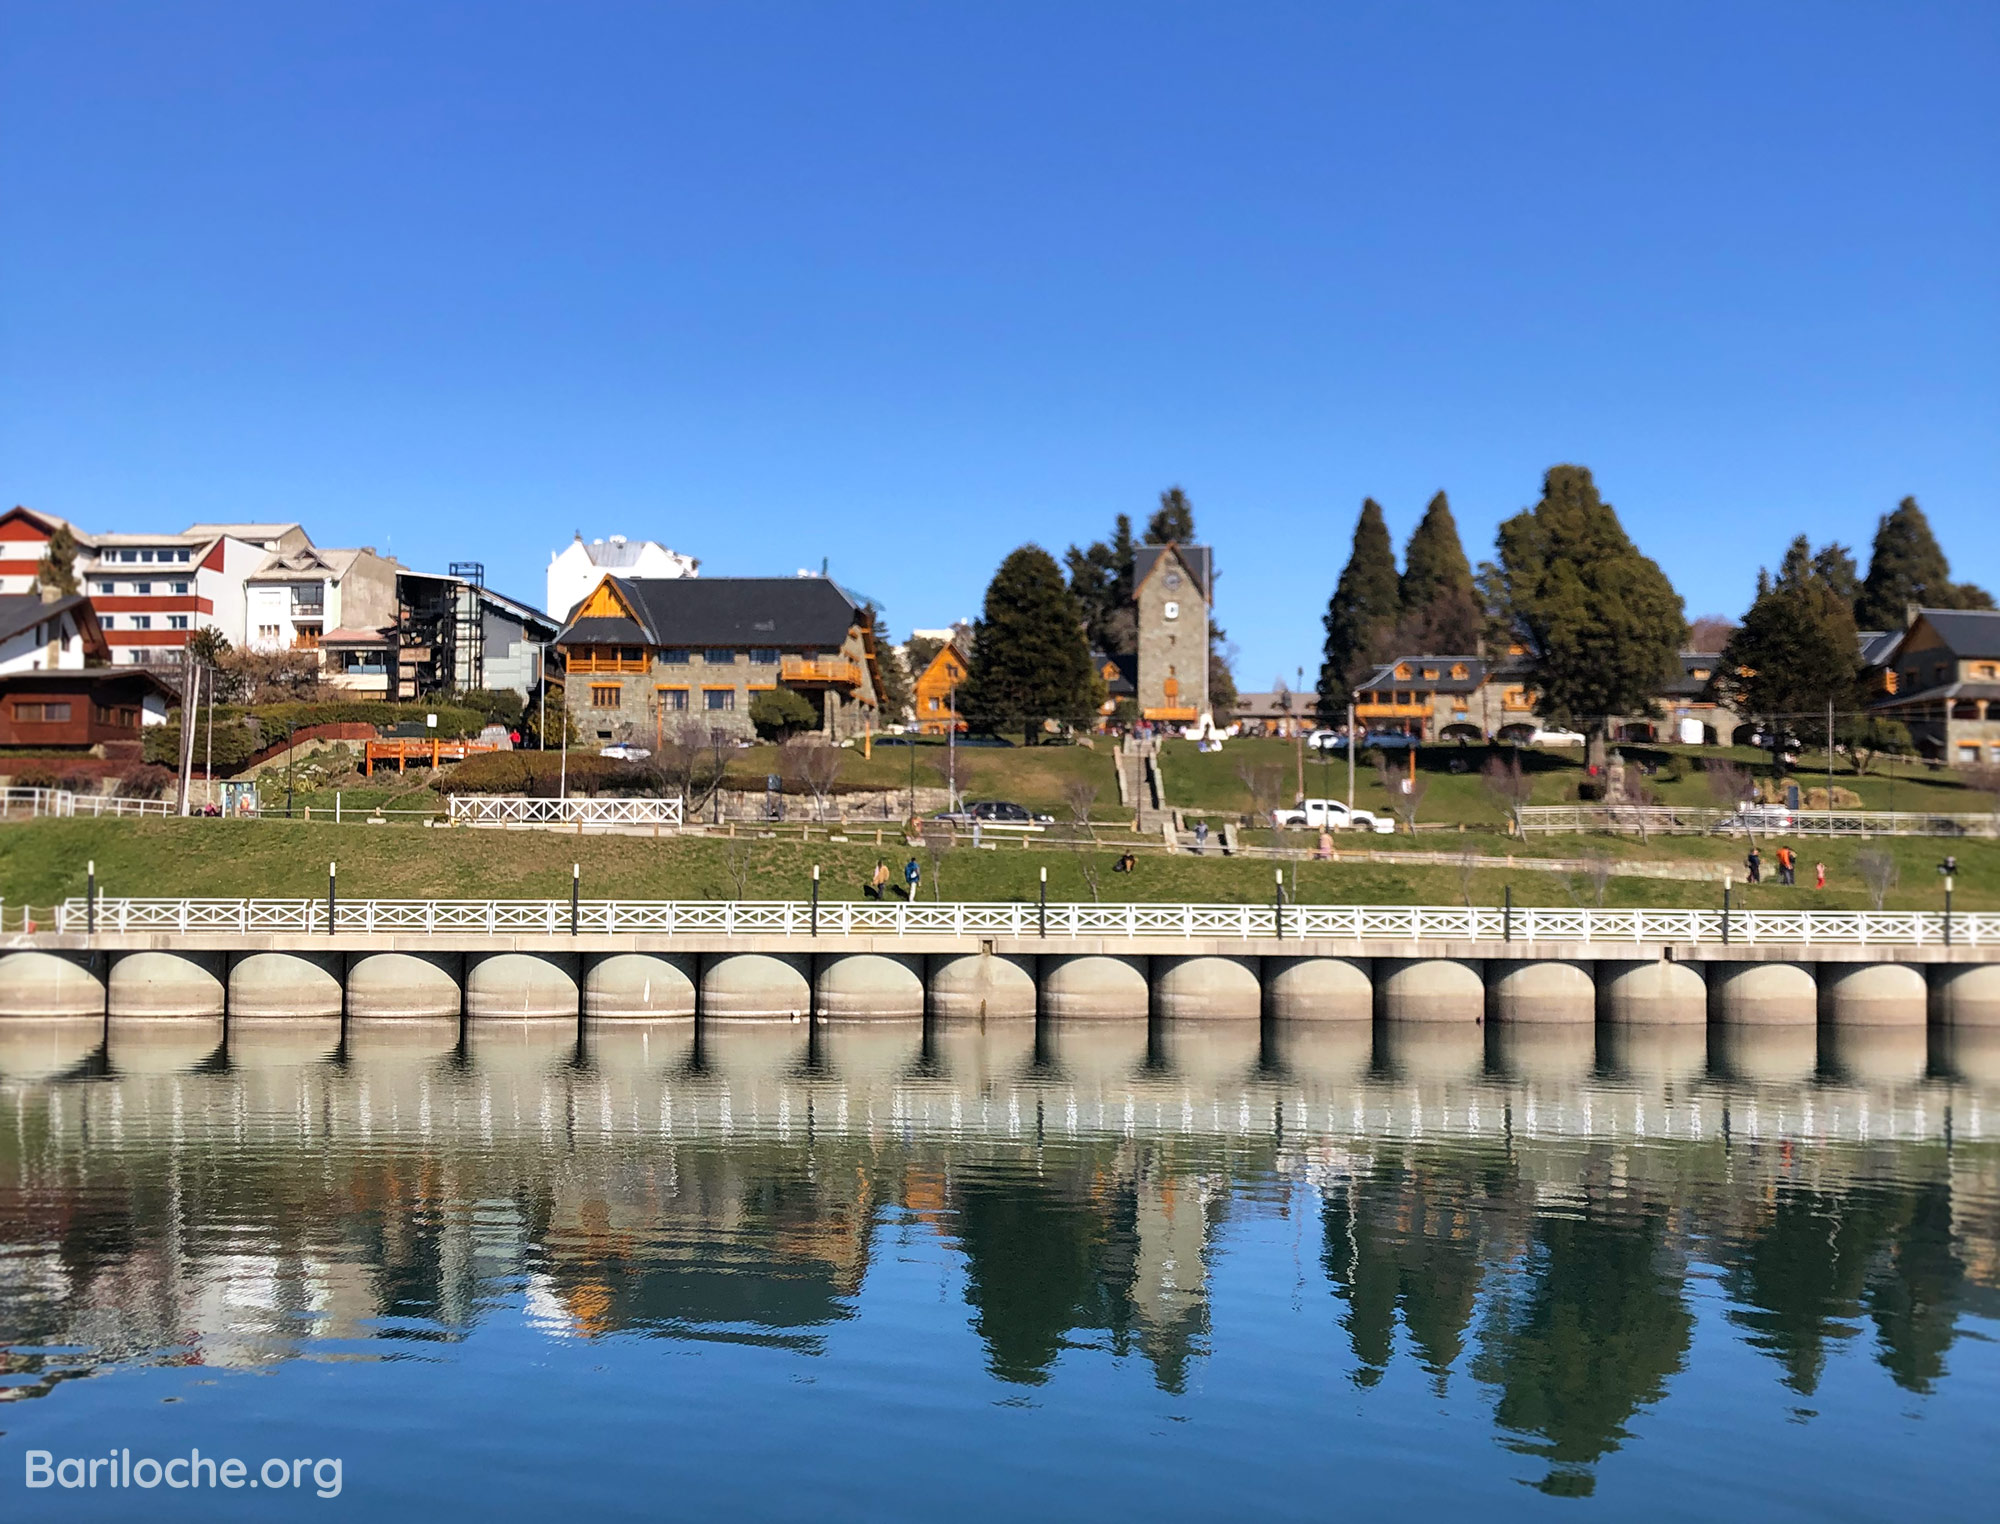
(1384, 676)
(21, 611)
(1878, 647)
(1965, 632)
(307, 561)
(46, 522)
(1196, 558)
(720, 611)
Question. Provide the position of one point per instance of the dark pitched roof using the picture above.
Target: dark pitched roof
(794, 612)
(1384, 676)
(19, 611)
(1126, 683)
(1878, 647)
(1687, 685)
(1196, 558)
(1967, 632)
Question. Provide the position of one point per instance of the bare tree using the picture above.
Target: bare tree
(1878, 870)
(1265, 783)
(1080, 795)
(736, 862)
(1508, 785)
(1983, 778)
(268, 677)
(1729, 783)
(938, 842)
(1597, 872)
(688, 764)
(1406, 794)
(810, 763)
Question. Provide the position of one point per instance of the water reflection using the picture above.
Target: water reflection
(1524, 1220)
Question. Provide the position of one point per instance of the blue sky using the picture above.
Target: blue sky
(902, 286)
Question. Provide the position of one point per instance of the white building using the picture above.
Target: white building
(38, 635)
(580, 565)
(152, 591)
(295, 598)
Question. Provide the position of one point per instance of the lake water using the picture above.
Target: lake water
(880, 1273)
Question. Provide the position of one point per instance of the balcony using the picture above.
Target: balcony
(610, 659)
(1392, 711)
(820, 671)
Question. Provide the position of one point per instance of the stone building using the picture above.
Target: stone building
(643, 657)
(1173, 588)
(1945, 684)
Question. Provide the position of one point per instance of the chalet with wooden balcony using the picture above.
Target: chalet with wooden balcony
(643, 657)
(1944, 684)
(936, 691)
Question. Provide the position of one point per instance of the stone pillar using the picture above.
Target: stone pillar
(1872, 995)
(869, 987)
(285, 986)
(403, 986)
(166, 984)
(1094, 987)
(639, 987)
(1966, 994)
(40, 985)
(517, 986)
(756, 987)
(1763, 994)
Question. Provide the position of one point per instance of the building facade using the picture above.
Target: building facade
(47, 634)
(296, 597)
(152, 592)
(576, 569)
(643, 658)
(1946, 685)
(79, 709)
(936, 691)
(1173, 590)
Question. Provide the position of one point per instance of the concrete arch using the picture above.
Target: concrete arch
(287, 986)
(517, 986)
(1319, 989)
(40, 985)
(1654, 992)
(639, 987)
(159, 984)
(1966, 994)
(1872, 995)
(1094, 987)
(1763, 994)
(1207, 989)
(404, 986)
(869, 987)
(1430, 989)
(982, 986)
(1541, 993)
(755, 987)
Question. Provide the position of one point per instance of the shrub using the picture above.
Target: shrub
(538, 774)
(779, 712)
(145, 780)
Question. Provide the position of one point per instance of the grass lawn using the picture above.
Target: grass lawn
(43, 861)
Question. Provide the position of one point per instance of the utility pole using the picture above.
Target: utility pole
(190, 711)
(208, 742)
(1350, 759)
(1829, 765)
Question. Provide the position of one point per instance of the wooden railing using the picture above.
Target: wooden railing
(819, 669)
(425, 753)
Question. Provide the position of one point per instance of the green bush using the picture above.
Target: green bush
(234, 741)
(779, 712)
(454, 722)
(538, 774)
(500, 706)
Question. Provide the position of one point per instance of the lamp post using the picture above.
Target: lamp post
(332, 868)
(1507, 915)
(1726, 880)
(575, 891)
(813, 928)
(1042, 919)
(1278, 903)
(90, 895)
(1947, 910)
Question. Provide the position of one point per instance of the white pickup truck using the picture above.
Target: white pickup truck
(1332, 815)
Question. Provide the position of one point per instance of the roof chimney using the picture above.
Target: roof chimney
(1910, 612)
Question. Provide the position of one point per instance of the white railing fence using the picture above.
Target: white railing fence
(1387, 923)
(62, 803)
(511, 809)
(1765, 820)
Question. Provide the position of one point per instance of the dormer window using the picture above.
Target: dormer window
(1458, 669)
(1700, 674)
(1402, 671)
(1431, 672)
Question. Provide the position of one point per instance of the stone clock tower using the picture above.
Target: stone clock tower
(1174, 586)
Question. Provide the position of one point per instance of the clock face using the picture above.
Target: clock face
(1172, 610)
(1173, 580)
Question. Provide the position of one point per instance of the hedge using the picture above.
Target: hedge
(455, 721)
(537, 774)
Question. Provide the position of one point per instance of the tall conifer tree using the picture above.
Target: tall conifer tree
(1603, 623)
(1441, 609)
(1795, 652)
(1362, 613)
(1029, 659)
(1173, 524)
(1906, 566)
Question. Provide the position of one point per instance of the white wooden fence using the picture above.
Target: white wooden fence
(1385, 923)
(516, 810)
(1765, 820)
(61, 802)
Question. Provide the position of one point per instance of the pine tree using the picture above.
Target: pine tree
(1441, 609)
(1905, 567)
(1602, 623)
(1795, 651)
(1174, 523)
(57, 570)
(1030, 662)
(1101, 579)
(895, 698)
(1362, 612)
(1835, 564)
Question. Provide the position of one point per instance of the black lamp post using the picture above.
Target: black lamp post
(575, 889)
(90, 896)
(331, 869)
(1043, 916)
(813, 928)
(1278, 903)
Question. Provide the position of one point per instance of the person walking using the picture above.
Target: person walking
(878, 881)
(1200, 836)
(913, 878)
(1819, 875)
(1786, 864)
(1754, 862)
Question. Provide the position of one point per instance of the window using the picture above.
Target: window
(1431, 673)
(1402, 671)
(721, 656)
(675, 699)
(674, 656)
(1458, 669)
(108, 621)
(1988, 669)
(42, 713)
(267, 632)
(718, 698)
(181, 587)
(177, 621)
(142, 621)
(142, 587)
(107, 587)
(604, 695)
(764, 656)
(1699, 674)
(145, 555)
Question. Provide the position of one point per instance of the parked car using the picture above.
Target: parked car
(993, 812)
(1558, 738)
(623, 753)
(1764, 817)
(1327, 740)
(1333, 815)
(1388, 740)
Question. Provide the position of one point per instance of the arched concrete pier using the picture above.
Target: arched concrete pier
(403, 986)
(1094, 987)
(166, 984)
(1318, 989)
(1872, 995)
(982, 986)
(1966, 994)
(869, 987)
(639, 987)
(1430, 989)
(39, 985)
(1763, 994)
(755, 987)
(512, 986)
(1655, 992)
(1550, 993)
(1207, 989)
(285, 986)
